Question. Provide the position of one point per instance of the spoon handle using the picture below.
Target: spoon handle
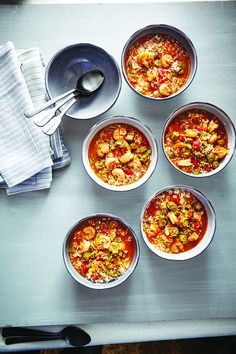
(41, 118)
(50, 127)
(32, 112)
(15, 340)
(23, 331)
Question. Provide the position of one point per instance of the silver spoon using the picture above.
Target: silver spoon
(41, 118)
(72, 335)
(87, 84)
(51, 126)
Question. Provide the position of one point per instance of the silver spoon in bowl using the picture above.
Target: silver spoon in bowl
(74, 336)
(86, 85)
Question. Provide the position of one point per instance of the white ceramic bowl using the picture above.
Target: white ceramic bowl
(205, 241)
(222, 116)
(125, 120)
(82, 280)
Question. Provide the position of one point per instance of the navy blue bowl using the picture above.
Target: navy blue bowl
(69, 64)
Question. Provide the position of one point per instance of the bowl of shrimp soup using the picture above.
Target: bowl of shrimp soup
(178, 222)
(101, 251)
(198, 139)
(120, 153)
(159, 61)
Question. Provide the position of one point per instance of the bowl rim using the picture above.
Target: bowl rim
(185, 107)
(174, 29)
(60, 51)
(155, 154)
(85, 282)
(186, 256)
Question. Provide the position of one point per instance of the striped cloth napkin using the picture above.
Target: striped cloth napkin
(27, 155)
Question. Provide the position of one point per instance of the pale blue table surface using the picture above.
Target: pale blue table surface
(36, 289)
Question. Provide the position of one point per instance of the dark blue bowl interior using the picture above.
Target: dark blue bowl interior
(69, 64)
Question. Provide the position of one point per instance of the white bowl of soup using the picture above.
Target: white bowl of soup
(101, 251)
(178, 222)
(198, 139)
(120, 153)
(159, 61)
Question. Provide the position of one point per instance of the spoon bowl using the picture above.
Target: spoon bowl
(90, 82)
(74, 336)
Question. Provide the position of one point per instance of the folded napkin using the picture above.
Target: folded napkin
(27, 155)
(33, 67)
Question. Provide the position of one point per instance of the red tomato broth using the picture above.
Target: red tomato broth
(103, 255)
(130, 153)
(164, 232)
(157, 65)
(196, 141)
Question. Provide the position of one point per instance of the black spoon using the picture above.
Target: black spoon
(72, 335)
